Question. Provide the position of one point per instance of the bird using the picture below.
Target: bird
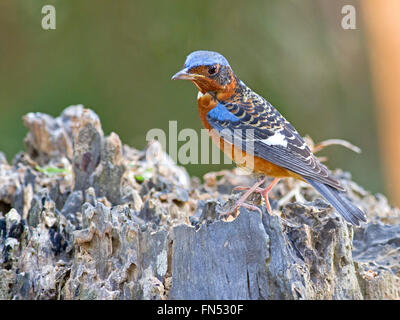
(243, 123)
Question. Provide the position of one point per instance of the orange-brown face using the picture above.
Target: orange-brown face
(215, 78)
(204, 78)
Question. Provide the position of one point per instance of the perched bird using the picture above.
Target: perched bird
(243, 123)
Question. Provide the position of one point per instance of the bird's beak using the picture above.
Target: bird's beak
(184, 74)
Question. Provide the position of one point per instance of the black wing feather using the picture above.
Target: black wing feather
(248, 117)
(256, 124)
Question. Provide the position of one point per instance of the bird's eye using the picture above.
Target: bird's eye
(212, 70)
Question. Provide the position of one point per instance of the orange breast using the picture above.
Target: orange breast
(258, 165)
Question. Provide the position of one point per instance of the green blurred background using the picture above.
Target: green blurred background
(117, 57)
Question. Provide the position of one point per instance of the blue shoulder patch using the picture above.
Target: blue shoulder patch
(220, 113)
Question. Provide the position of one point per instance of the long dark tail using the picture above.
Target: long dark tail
(338, 199)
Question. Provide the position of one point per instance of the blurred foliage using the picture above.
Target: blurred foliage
(117, 57)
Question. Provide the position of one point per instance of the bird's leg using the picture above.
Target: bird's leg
(241, 188)
(242, 199)
(264, 192)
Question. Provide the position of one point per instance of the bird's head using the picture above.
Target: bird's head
(210, 72)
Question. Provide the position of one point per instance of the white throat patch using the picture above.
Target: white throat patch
(199, 95)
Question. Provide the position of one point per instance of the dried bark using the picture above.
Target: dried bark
(101, 220)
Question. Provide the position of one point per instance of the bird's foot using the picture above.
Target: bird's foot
(263, 191)
(241, 202)
(233, 211)
(240, 188)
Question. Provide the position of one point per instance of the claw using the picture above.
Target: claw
(238, 204)
(249, 190)
(240, 188)
(264, 192)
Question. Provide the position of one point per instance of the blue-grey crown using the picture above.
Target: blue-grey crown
(203, 57)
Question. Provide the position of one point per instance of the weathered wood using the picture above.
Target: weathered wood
(100, 232)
